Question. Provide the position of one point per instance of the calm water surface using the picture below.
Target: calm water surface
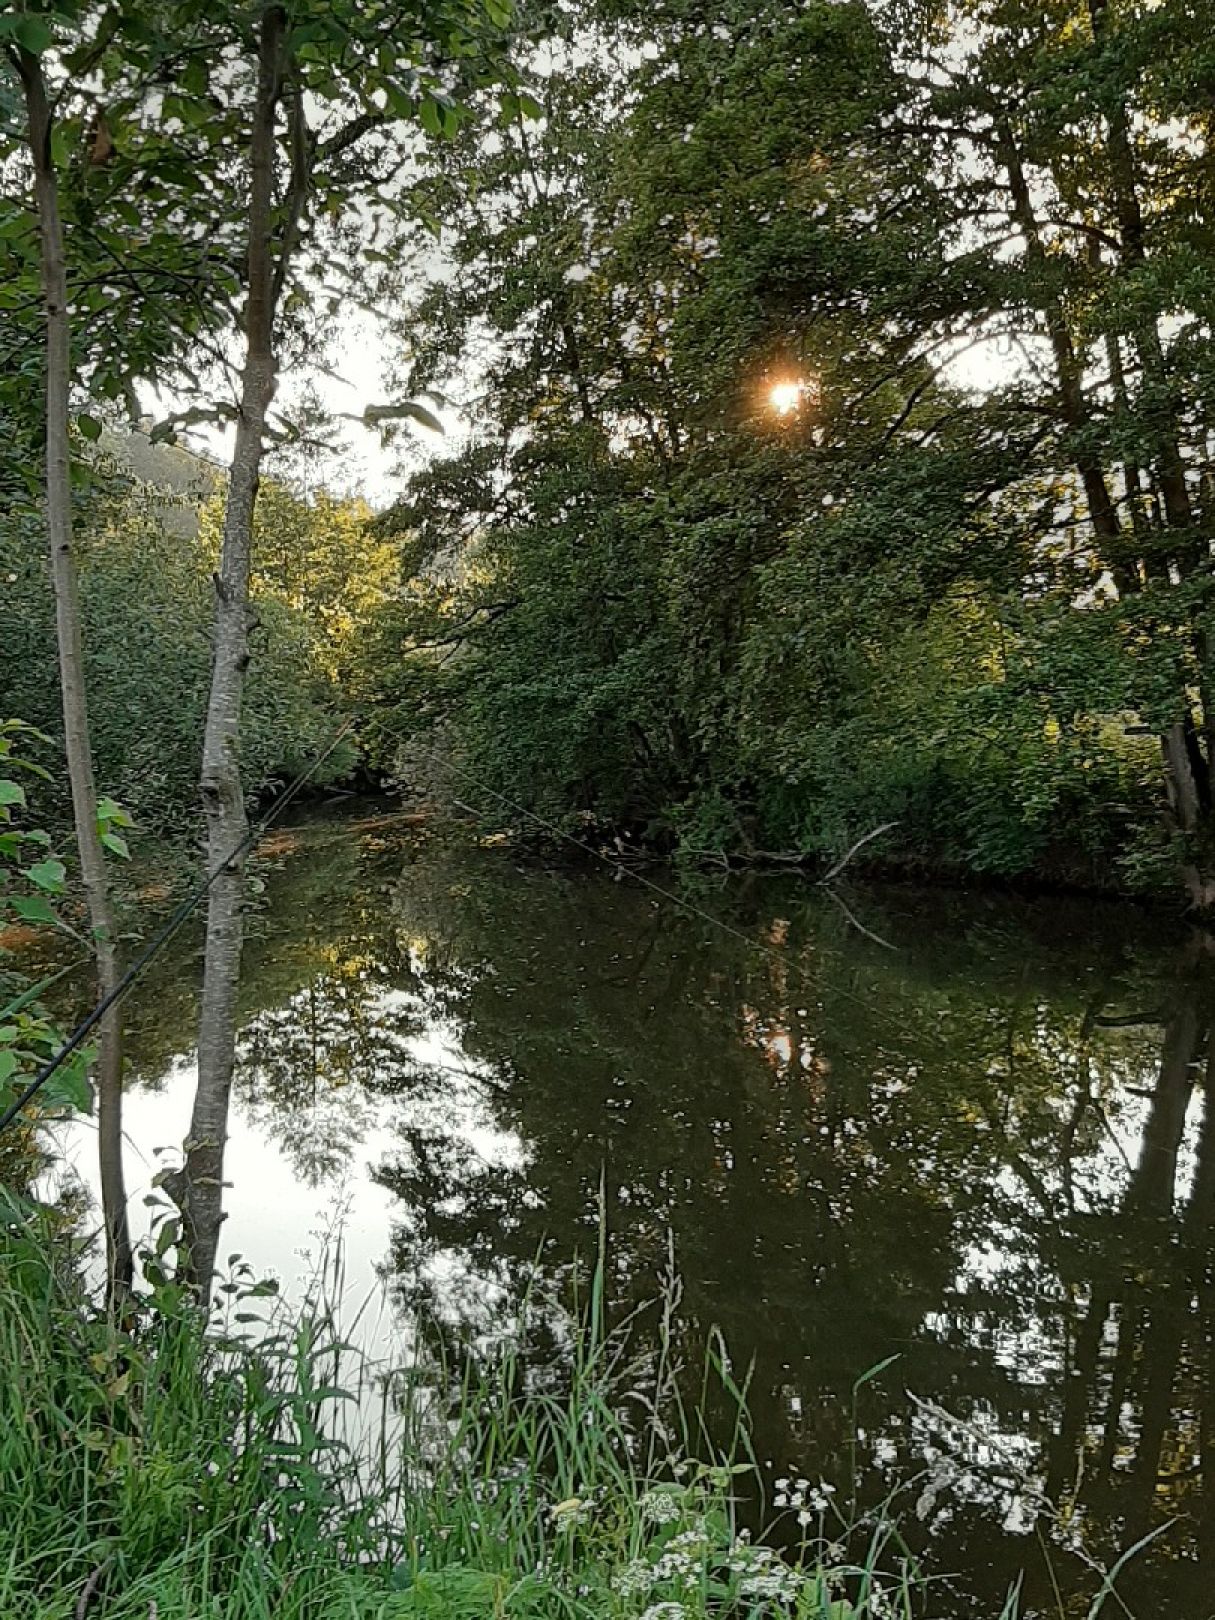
(969, 1133)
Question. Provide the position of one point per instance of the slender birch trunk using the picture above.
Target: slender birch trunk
(200, 1186)
(77, 743)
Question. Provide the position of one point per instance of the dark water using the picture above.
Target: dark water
(967, 1132)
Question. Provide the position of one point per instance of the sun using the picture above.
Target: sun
(785, 397)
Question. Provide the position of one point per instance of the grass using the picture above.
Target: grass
(154, 1470)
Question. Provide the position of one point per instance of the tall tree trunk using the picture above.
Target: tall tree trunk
(1133, 238)
(1185, 544)
(1073, 408)
(1189, 777)
(71, 673)
(199, 1187)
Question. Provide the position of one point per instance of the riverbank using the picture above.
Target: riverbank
(934, 1130)
(154, 1469)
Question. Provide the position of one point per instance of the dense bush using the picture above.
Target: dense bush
(746, 566)
(148, 604)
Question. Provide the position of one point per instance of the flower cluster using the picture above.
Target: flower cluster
(660, 1507)
(635, 1579)
(808, 1500)
(692, 1540)
(678, 1566)
(880, 1603)
(763, 1574)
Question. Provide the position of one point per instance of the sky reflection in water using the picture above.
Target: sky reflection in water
(984, 1151)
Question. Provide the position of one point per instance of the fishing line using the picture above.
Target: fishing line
(190, 904)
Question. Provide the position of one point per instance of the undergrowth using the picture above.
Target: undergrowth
(160, 1468)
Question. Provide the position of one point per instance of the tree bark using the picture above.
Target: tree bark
(77, 744)
(199, 1188)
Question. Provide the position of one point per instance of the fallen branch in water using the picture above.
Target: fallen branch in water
(856, 848)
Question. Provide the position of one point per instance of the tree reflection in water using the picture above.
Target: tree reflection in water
(984, 1151)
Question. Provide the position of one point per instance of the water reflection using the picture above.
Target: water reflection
(984, 1150)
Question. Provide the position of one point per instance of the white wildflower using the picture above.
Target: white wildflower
(879, 1603)
(673, 1566)
(635, 1579)
(693, 1540)
(660, 1507)
(778, 1584)
(665, 1611)
(762, 1574)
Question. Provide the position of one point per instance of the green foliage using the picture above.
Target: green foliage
(648, 598)
(153, 183)
(31, 881)
(182, 1469)
(148, 598)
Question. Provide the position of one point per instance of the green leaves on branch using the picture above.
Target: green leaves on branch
(109, 816)
(28, 1037)
(153, 188)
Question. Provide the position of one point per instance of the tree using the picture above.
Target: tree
(970, 255)
(29, 36)
(349, 62)
(203, 122)
(1076, 172)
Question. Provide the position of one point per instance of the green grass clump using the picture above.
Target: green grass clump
(163, 1468)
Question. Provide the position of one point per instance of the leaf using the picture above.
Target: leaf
(194, 77)
(872, 1372)
(400, 102)
(90, 427)
(69, 1087)
(116, 843)
(11, 792)
(31, 993)
(110, 810)
(34, 908)
(33, 34)
(8, 1065)
(48, 875)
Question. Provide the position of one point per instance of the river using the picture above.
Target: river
(967, 1132)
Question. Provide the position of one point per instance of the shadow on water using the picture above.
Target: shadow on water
(981, 1146)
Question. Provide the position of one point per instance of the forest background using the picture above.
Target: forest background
(832, 393)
